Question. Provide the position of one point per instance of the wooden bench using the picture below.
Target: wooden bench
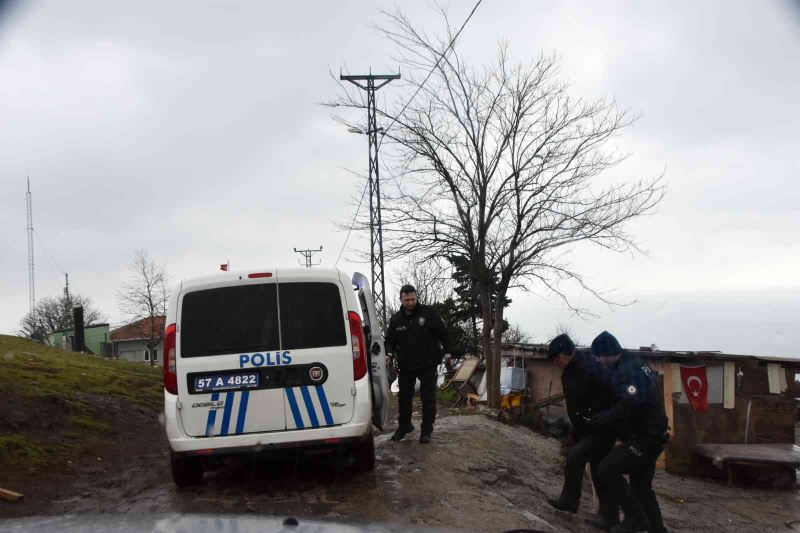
(723, 456)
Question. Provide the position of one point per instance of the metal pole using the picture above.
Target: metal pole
(375, 217)
(31, 282)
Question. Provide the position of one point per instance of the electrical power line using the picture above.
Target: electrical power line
(48, 255)
(419, 87)
(7, 248)
(352, 224)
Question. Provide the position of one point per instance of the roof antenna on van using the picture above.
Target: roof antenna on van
(307, 254)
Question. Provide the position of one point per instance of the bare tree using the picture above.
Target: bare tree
(515, 335)
(143, 298)
(566, 329)
(53, 314)
(501, 164)
(430, 278)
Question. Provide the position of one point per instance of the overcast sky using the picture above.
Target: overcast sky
(192, 130)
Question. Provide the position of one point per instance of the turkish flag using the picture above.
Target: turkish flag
(223, 267)
(695, 383)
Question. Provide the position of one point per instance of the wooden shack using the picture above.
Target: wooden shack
(750, 399)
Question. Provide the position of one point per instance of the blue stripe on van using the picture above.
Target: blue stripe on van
(298, 420)
(242, 411)
(226, 414)
(212, 416)
(323, 401)
(312, 413)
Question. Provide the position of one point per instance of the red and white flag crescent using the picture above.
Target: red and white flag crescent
(695, 385)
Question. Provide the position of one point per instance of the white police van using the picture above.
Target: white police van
(262, 360)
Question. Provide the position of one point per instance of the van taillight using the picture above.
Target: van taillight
(170, 366)
(359, 346)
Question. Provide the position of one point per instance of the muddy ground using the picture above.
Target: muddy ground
(477, 475)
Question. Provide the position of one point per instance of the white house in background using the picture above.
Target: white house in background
(130, 342)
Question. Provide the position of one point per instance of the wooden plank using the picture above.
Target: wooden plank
(675, 370)
(667, 385)
(468, 367)
(729, 385)
(10, 495)
(772, 419)
(782, 383)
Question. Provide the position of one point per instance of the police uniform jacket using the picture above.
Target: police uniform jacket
(638, 413)
(587, 390)
(416, 339)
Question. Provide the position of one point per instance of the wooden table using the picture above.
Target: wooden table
(724, 455)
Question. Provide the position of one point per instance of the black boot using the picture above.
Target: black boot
(402, 431)
(425, 438)
(561, 505)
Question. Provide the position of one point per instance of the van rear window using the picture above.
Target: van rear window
(311, 316)
(230, 320)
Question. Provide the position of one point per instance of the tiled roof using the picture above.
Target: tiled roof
(138, 330)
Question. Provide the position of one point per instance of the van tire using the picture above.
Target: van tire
(186, 470)
(364, 455)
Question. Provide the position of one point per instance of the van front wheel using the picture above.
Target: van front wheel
(364, 455)
(186, 470)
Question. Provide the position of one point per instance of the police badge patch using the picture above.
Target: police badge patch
(421, 321)
(631, 389)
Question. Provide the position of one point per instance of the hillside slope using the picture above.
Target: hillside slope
(57, 408)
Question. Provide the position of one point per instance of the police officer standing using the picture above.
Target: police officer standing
(587, 390)
(415, 337)
(640, 421)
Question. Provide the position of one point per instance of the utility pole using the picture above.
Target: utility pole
(307, 254)
(367, 83)
(66, 292)
(31, 283)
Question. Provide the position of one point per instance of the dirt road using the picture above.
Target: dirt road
(478, 475)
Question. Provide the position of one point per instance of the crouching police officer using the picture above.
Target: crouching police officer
(638, 416)
(587, 390)
(415, 336)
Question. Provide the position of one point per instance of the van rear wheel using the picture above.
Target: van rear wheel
(186, 470)
(364, 455)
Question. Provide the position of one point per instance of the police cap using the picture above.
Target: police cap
(559, 345)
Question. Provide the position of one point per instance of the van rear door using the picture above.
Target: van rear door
(314, 326)
(229, 361)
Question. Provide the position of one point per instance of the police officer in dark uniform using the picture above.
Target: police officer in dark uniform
(587, 390)
(640, 421)
(416, 336)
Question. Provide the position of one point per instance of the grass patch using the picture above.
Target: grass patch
(15, 449)
(89, 424)
(447, 396)
(31, 369)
